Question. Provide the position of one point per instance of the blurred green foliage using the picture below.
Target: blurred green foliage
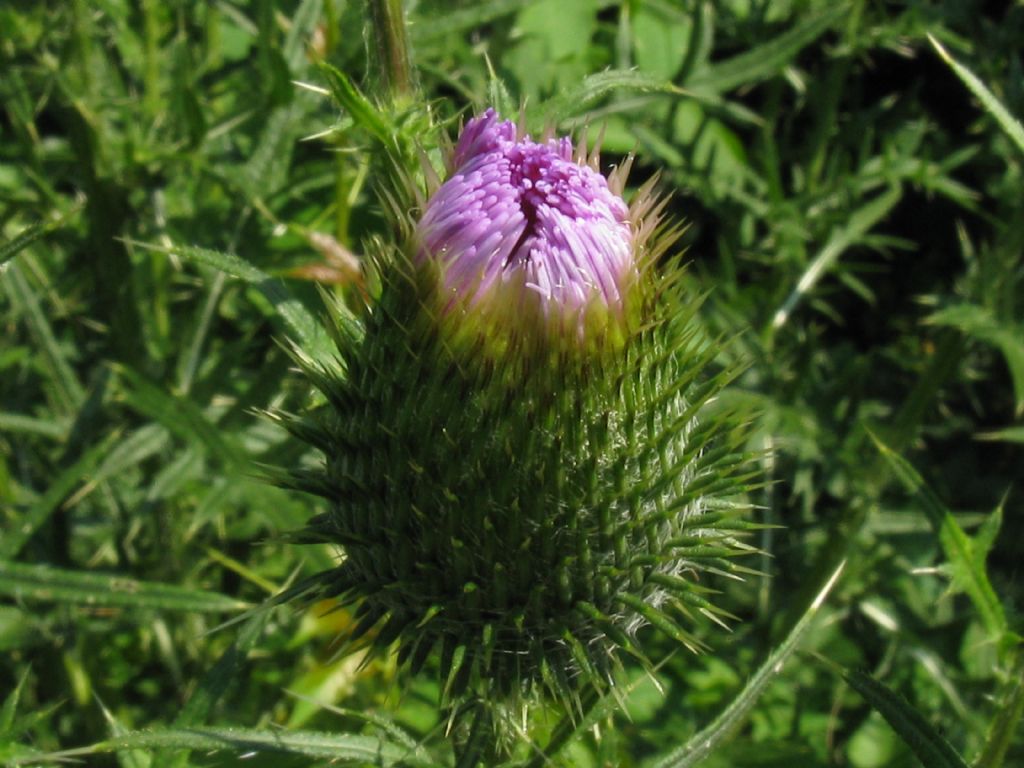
(855, 212)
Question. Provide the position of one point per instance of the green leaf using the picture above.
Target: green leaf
(17, 422)
(359, 108)
(661, 40)
(336, 747)
(133, 450)
(127, 758)
(41, 582)
(10, 707)
(216, 682)
(931, 749)
(574, 102)
(37, 231)
(438, 25)
(1010, 125)
(23, 239)
(842, 237)
(179, 415)
(765, 60)
(979, 323)
(39, 512)
(966, 555)
(308, 332)
(1007, 435)
(24, 300)
(704, 742)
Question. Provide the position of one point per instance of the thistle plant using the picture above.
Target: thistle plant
(517, 464)
(524, 453)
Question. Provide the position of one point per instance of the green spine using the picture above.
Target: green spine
(521, 507)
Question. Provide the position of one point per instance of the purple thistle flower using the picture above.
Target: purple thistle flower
(529, 222)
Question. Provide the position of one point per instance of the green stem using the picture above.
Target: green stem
(392, 44)
(706, 741)
(479, 744)
(1007, 719)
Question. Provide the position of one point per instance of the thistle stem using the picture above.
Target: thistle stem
(388, 20)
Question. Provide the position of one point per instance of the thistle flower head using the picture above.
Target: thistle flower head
(519, 517)
(529, 227)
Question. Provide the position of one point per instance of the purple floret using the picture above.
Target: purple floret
(517, 213)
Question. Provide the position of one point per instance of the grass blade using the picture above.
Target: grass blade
(23, 239)
(1008, 435)
(24, 300)
(18, 422)
(707, 740)
(862, 220)
(991, 104)
(10, 707)
(146, 441)
(41, 582)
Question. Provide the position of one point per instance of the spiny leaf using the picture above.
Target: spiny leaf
(979, 323)
(453, 21)
(765, 60)
(295, 316)
(35, 232)
(594, 87)
(41, 582)
(966, 555)
(931, 749)
(340, 748)
(359, 108)
(127, 758)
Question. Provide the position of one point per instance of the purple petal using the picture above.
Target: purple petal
(517, 213)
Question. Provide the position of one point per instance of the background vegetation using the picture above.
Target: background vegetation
(854, 210)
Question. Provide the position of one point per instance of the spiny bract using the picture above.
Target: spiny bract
(517, 467)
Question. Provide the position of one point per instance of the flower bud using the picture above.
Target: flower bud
(510, 502)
